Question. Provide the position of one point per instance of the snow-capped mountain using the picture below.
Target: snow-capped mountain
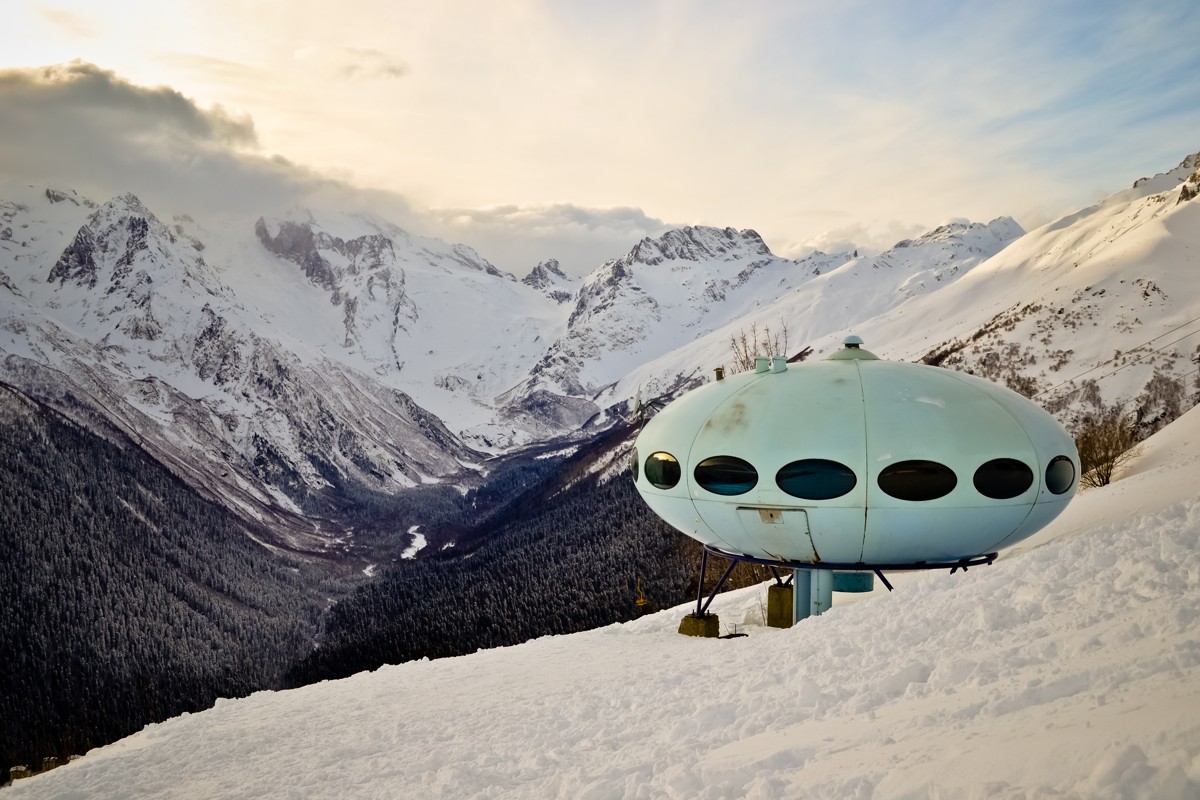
(704, 284)
(432, 319)
(659, 296)
(809, 298)
(268, 376)
(1097, 310)
(276, 362)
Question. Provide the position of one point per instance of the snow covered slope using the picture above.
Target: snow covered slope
(1098, 309)
(646, 317)
(1071, 669)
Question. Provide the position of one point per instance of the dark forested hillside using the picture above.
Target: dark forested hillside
(124, 597)
(557, 560)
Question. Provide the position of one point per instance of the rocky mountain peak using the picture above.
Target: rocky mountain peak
(818, 263)
(68, 196)
(545, 274)
(120, 238)
(699, 243)
(549, 278)
(1165, 181)
(1001, 229)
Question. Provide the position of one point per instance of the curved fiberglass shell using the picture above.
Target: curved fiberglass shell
(903, 463)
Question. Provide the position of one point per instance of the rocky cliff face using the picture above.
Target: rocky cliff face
(661, 294)
(131, 324)
(361, 275)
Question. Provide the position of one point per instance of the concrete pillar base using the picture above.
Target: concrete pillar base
(779, 606)
(708, 626)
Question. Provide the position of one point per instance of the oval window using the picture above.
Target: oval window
(1060, 474)
(1003, 478)
(917, 480)
(633, 465)
(816, 479)
(726, 475)
(662, 470)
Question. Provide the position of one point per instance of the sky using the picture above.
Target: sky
(533, 130)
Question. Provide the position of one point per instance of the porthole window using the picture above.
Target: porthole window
(1003, 478)
(816, 479)
(633, 465)
(1060, 474)
(662, 470)
(917, 480)
(726, 475)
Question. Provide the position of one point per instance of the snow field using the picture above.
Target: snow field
(1068, 669)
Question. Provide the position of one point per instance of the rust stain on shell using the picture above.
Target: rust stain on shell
(728, 419)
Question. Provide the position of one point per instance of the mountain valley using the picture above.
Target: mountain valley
(250, 436)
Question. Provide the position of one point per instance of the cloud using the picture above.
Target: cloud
(516, 238)
(371, 64)
(352, 63)
(867, 239)
(68, 22)
(80, 126)
(96, 98)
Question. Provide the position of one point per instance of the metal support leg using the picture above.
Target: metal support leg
(885, 580)
(717, 588)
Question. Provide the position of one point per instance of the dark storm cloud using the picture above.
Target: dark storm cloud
(76, 126)
(79, 126)
(84, 93)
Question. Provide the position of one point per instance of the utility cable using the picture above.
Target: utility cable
(1137, 360)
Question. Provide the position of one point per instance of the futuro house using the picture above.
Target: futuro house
(855, 461)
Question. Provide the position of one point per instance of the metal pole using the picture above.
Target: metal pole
(801, 594)
(821, 596)
(717, 588)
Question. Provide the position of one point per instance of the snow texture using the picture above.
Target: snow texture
(1068, 669)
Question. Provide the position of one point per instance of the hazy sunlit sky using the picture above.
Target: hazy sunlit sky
(572, 129)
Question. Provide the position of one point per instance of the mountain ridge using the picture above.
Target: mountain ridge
(308, 352)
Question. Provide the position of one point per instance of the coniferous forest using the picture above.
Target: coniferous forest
(547, 566)
(128, 599)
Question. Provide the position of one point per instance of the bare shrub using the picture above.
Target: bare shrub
(747, 346)
(1161, 402)
(1106, 441)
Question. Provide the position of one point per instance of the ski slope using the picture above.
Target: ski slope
(1068, 669)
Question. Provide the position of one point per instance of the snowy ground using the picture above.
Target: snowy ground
(1069, 669)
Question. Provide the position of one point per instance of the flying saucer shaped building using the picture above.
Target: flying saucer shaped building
(855, 462)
